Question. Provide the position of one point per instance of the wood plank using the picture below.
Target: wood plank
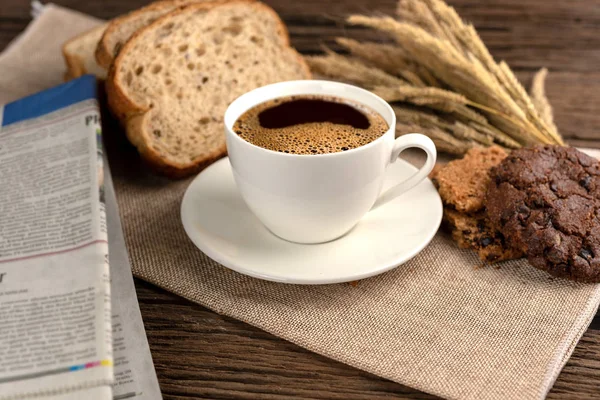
(527, 34)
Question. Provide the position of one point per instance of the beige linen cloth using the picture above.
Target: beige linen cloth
(438, 323)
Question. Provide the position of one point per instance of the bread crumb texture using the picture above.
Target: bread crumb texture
(187, 67)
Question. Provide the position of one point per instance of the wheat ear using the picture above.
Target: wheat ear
(449, 65)
(540, 100)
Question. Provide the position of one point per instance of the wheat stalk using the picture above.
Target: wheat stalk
(443, 140)
(519, 93)
(390, 88)
(539, 99)
(438, 62)
(467, 132)
(429, 120)
(445, 61)
(499, 137)
(391, 59)
(465, 73)
(420, 14)
(337, 66)
(421, 96)
(473, 46)
(470, 42)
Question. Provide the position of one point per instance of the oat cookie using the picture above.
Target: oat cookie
(473, 231)
(545, 200)
(463, 183)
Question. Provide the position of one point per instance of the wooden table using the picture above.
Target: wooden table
(198, 353)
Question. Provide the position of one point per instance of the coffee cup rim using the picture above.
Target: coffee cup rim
(258, 91)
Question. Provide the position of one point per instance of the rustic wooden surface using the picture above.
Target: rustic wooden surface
(198, 353)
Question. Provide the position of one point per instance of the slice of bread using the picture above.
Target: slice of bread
(122, 28)
(173, 80)
(78, 53)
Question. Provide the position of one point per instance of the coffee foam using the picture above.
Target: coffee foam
(312, 137)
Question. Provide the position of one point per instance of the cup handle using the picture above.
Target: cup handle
(402, 143)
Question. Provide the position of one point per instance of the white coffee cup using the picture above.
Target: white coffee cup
(318, 198)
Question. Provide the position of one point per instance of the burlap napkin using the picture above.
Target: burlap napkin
(438, 323)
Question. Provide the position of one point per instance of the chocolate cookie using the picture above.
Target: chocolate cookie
(545, 200)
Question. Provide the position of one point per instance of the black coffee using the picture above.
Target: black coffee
(310, 124)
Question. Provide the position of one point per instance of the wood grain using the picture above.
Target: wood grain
(200, 354)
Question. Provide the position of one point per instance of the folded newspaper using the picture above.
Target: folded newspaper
(70, 325)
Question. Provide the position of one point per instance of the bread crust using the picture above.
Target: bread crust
(75, 65)
(132, 115)
(104, 54)
(135, 133)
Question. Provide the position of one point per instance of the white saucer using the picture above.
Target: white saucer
(220, 224)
